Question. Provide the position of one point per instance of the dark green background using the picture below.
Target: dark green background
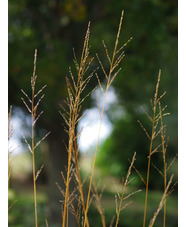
(54, 27)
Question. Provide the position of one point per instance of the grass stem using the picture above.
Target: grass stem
(108, 77)
(151, 145)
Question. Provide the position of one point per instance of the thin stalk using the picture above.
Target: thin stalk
(165, 185)
(67, 184)
(107, 87)
(73, 116)
(34, 175)
(123, 189)
(99, 208)
(32, 110)
(72, 135)
(33, 145)
(165, 194)
(164, 163)
(148, 172)
(88, 197)
(67, 215)
(150, 149)
(79, 180)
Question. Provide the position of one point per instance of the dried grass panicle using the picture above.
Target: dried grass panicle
(119, 208)
(171, 163)
(34, 77)
(114, 62)
(38, 172)
(162, 202)
(157, 121)
(73, 196)
(142, 179)
(76, 84)
(38, 143)
(159, 171)
(24, 93)
(28, 145)
(164, 149)
(152, 137)
(32, 110)
(98, 205)
(72, 116)
(144, 129)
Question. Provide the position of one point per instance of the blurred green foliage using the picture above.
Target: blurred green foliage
(21, 213)
(132, 215)
(153, 26)
(54, 27)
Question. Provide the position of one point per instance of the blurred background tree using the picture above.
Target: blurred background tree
(54, 27)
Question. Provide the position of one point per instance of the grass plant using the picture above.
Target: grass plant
(156, 119)
(33, 111)
(75, 201)
(71, 117)
(117, 56)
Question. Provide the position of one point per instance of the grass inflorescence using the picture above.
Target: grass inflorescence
(77, 201)
(32, 109)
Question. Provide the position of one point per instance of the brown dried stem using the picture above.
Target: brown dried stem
(151, 145)
(74, 104)
(162, 202)
(32, 147)
(109, 78)
(98, 205)
(164, 162)
(123, 190)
